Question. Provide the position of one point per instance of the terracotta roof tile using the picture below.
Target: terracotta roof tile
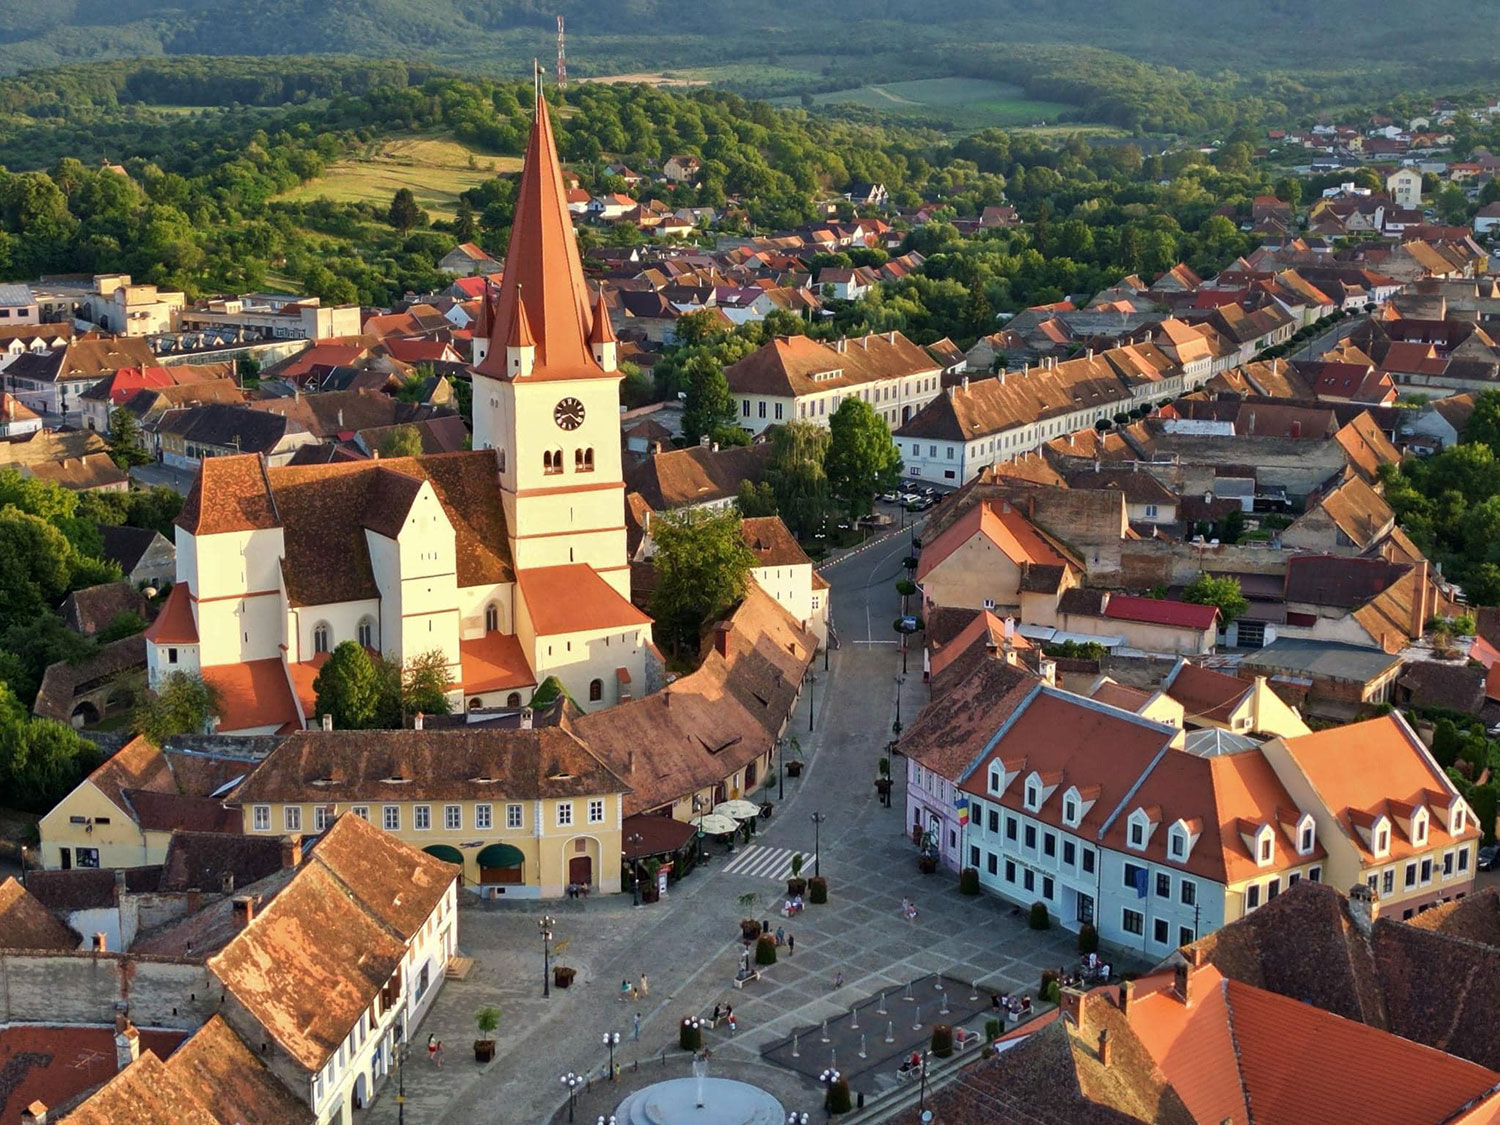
(772, 542)
(572, 598)
(494, 662)
(26, 924)
(175, 624)
(59, 1064)
(217, 1067)
(696, 475)
(254, 694)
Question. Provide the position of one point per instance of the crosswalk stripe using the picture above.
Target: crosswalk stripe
(767, 863)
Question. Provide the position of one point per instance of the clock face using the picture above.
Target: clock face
(568, 414)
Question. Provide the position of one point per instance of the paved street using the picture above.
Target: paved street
(688, 944)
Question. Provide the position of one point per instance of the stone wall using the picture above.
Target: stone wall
(90, 988)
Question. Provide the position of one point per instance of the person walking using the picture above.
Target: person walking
(636, 1030)
(791, 944)
(644, 987)
(432, 1049)
(729, 1016)
(624, 990)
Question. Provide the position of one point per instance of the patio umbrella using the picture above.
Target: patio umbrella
(737, 809)
(715, 824)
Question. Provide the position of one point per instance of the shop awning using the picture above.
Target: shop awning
(658, 835)
(500, 855)
(445, 852)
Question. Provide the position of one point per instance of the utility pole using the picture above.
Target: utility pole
(562, 56)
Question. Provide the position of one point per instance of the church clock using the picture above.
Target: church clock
(568, 414)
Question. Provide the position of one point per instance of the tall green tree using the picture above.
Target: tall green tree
(126, 447)
(1483, 425)
(183, 704)
(464, 220)
(352, 690)
(709, 409)
(402, 441)
(862, 459)
(756, 499)
(41, 761)
(425, 682)
(404, 212)
(797, 478)
(702, 569)
(1221, 591)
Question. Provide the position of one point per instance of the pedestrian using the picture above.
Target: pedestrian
(440, 1054)
(624, 990)
(718, 1009)
(432, 1049)
(780, 936)
(791, 944)
(644, 987)
(733, 1023)
(636, 1032)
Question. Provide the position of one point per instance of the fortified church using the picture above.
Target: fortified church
(510, 559)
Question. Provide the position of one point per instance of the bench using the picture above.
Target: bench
(740, 982)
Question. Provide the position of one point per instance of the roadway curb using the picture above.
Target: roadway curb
(867, 545)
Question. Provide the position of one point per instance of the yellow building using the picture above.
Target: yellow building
(527, 812)
(123, 814)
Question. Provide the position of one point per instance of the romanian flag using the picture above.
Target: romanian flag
(962, 805)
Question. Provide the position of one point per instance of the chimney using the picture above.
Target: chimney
(291, 851)
(1296, 427)
(327, 722)
(417, 720)
(1070, 1003)
(1127, 996)
(34, 1114)
(721, 638)
(952, 390)
(630, 761)
(965, 383)
(127, 1043)
(244, 911)
(655, 447)
(119, 884)
(525, 718)
(713, 447)
(1419, 604)
(1185, 977)
(100, 943)
(1104, 1051)
(1364, 907)
(341, 417)
(226, 883)
(1090, 354)
(704, 441)
(890, 337)
(194, 901)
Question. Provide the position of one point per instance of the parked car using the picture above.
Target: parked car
(890, 497)
(1489, 857)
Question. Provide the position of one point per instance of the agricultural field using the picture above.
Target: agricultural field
(964, 104)
(436, 168)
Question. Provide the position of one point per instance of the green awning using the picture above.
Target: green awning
(446, 853)
(500, 855)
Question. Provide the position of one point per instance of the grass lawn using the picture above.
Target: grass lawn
(964, 103)
(436, 168)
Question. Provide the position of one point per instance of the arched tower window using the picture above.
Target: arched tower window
(513, 699)
(596, 690)
(366, 632)
(322, 637)
(492, 618)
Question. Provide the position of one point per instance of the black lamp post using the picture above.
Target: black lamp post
(829, 1078)
(699, 806)
(572, 1082)
(611, 1040)
(811, 679)
(900, 680)
(796, 1119)
(922, 1097)
(781, 769)
(545, 924)
(635, 839)
(817, 819)
(402, 1049)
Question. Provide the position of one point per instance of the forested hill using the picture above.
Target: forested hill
(1354, 39)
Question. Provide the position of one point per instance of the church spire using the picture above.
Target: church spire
(542, 262)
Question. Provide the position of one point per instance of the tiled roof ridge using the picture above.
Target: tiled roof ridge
(1234, 1040)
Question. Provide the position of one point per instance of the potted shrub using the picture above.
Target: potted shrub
(796, 885)
(968, 881)
(649, 890)
(562, 975)
(1038, 918)
(991, 1030)
(765, 950)
(486, 1019)
(749, 930)
(1053, 992)
(794, 769)
(690, 1034)
(789, 757)
(927, 863)
(839, 1099)
(1088, 938)
(1049, 978)
(817, 889)
(942, 1040)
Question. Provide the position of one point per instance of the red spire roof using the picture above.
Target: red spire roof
(520, 328)
(602, 332)
(542, 262)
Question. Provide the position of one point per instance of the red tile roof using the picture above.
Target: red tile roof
(175, 624)
(55, 1065)
(254, 694)
(1161, 611)
(572, 599)
(494, 662)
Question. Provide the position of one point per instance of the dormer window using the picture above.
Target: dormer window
(1033, 795)
(1137, 835)
(1419, 828)
(997, 780)
(1382, 841)
(1305, 838)
(1140, 827)
(1178, 845)
(1458, 821)
(1070, 812)
(1265, 850)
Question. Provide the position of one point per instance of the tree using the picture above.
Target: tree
(797, 477)
(402, 441)
(862, 459)
(125, 445)
(709, 409)
(41, 761)
(424, 684)
(1218, 590)
(756, 500)
(464, 221)
(1484, 423)
(352, 690)
(702, 569)
(1289, 190)
(404, 213)
(184, 704)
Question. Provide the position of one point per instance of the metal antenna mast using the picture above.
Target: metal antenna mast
(562, 56)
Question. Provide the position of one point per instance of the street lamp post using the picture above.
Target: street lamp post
(922, 1097)
(900, 680)
(635, 839)
(544, 924)
(796, 1119)
(572, 1082)
(700, 807)
(610, 1120)
(781, 769)
(829, 1078)
(811, 679)
(817, 819)
(402, 1050)
(611, 1040)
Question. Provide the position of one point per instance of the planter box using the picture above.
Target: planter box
(563, 977)
(794, 769)
(484, 1050)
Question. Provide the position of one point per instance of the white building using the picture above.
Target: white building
(797, 378)
(1405, 186)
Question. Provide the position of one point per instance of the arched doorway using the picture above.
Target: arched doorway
(361, 1091)
(84, 715)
